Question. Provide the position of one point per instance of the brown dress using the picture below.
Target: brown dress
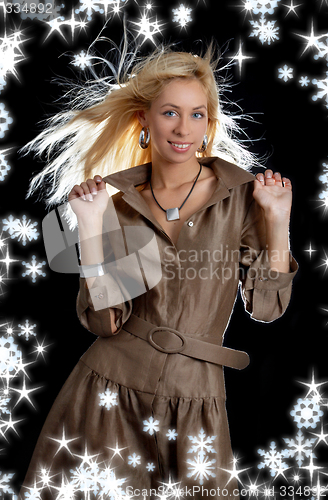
(141, 420)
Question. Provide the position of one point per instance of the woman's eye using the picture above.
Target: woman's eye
(169, 113)
(198, 115)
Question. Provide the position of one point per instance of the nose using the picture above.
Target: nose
(182, 128)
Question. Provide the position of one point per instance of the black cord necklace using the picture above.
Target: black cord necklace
(173, 213)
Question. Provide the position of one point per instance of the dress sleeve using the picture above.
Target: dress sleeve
(266, 293)
(93, 306)
(109, 291)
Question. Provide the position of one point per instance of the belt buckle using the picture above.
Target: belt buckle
(154, 344)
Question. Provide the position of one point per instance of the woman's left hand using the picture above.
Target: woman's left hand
(273, 193)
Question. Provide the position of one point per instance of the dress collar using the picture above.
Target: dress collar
(228, 174)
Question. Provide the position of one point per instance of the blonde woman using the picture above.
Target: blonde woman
(159, 357)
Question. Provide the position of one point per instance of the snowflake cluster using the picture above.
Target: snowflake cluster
(263, 28)
(307, 413)
(93, 475)
(201, 466)
(319, 44)
(13, 386)
(90, 479)
(24, 231)
(89, 7)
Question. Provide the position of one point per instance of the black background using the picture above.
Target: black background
(293, 131)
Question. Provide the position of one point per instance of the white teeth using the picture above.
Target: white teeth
(180, 146)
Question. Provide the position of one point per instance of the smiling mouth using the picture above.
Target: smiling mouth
(180, 146)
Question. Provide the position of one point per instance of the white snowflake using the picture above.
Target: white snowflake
(34, 492)
(150, 467)
(322, 86)
(23, 229)
(182, 15)
(323, 50)
(81, 478)
(272, 459)
(109, 485)
(172, 434)
(304, 81)
(201, 467)
(108, 399)
(324, 179)
(82, 60)
(264, 7)
(5, 482)
(89, 6)
(4, 402)
(34, 268)
(10, 355)
(27, 330)
(5, 120)
(202, 443)
(266, 31)
(4, 165)
(285, 73)
(306, 413)
(151, 425)
(134, 460)
(298, 448)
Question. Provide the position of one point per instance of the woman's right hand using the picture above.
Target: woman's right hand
(89, 198)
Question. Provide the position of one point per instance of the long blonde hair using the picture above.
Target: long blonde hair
(99, 133)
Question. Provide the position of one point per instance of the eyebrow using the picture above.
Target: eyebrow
(178, 107)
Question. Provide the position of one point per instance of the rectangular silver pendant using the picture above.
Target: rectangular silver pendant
(172, 214)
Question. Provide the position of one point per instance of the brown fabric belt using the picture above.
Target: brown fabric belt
(171, 341)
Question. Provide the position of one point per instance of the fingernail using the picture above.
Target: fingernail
(268, 174)
(83, 197)
(94, 191)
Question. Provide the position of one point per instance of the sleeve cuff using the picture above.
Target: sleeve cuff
(105, 293)
(261, 277)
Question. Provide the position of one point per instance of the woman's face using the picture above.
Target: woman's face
(177, 121)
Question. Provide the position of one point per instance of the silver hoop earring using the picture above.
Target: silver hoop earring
(144, 138)
(204, 144)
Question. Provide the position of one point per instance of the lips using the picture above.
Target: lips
(182, 146)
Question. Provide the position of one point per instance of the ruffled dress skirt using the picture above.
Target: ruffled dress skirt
(133, 422)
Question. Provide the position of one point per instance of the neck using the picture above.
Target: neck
(172, 175)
